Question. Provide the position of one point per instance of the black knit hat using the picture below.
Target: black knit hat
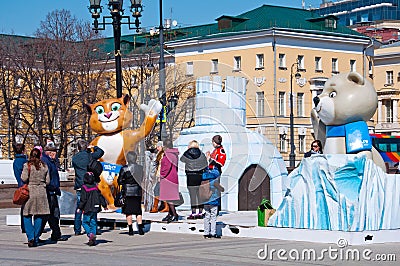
(217, 139)
(89, 178)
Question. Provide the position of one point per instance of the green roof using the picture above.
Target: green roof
(269, 17)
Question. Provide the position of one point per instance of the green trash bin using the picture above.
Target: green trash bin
(264, 212)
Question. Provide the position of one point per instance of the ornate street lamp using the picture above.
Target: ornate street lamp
(292, 155)
(161, 66)
(117, 15)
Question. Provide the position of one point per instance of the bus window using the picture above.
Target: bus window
(393, 147)
(382, 147)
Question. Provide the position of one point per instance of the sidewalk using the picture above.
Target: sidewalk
(244, 224)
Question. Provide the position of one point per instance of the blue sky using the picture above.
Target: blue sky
(22, 17)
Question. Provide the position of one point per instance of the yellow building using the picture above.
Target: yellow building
(386, 76)
(271, 46)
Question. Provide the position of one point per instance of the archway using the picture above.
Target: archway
(249, 200)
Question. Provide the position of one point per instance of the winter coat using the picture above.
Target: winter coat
(130, 177)
(54, 186)
(80, 162)
(217, 158)
(18, 164)
(37, 180)
(195, 164)
(169, 185)
(310, 152)
(91, 199)
(216, 194)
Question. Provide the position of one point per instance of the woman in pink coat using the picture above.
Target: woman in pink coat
(169, 185)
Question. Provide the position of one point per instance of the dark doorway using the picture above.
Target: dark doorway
(254, 185)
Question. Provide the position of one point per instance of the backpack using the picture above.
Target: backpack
(96, 168)
(205, 191)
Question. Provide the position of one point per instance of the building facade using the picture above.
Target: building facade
(386, 74)
(271, 46)
(352, 12)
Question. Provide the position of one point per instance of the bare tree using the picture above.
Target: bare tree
(45, 81)
(72, 82)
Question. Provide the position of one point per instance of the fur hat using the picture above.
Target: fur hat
(50, 146)
(217, 139)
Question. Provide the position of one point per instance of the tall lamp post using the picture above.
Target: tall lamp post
(117, 16)
(161, 86)
(292, 155)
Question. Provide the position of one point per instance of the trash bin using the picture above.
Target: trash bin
(264, 212)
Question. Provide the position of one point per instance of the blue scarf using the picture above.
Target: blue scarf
(356, 135)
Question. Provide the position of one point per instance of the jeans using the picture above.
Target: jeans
(78, 215)
(53, 218)
(210, 219)
(33, 231)
(89, 222)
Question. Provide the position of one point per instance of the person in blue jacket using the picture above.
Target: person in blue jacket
(20, 159)
(211, 206)
(53, 190)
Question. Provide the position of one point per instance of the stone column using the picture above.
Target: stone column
(379, 111)
(395, 120)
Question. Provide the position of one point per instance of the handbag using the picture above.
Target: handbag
(21, 195)
(119, 198)
(205, 191)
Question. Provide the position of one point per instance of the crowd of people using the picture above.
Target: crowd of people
(40, 171)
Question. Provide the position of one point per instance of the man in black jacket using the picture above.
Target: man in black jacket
(80, 163)
(49, 156)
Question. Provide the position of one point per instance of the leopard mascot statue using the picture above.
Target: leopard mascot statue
(111, 119)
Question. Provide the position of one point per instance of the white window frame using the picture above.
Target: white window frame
(214, 66)
(19, 118)
(189, 69)
(300, 104)
(302, 143)
(318, 63)
(300, 61)
(237, 63)
(57, 120)
(260, 103)
(108, 83)
(75, 117)
(389, 77)
(353, 65)
(260, 61)
(283, 143)
(388, 110)
(282, 103)
(282, 60)
(335, 65)
(330, 23)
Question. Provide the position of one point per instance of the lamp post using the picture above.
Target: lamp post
(292, 155)
(161, 65)
(116, 11)
(149, 66)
